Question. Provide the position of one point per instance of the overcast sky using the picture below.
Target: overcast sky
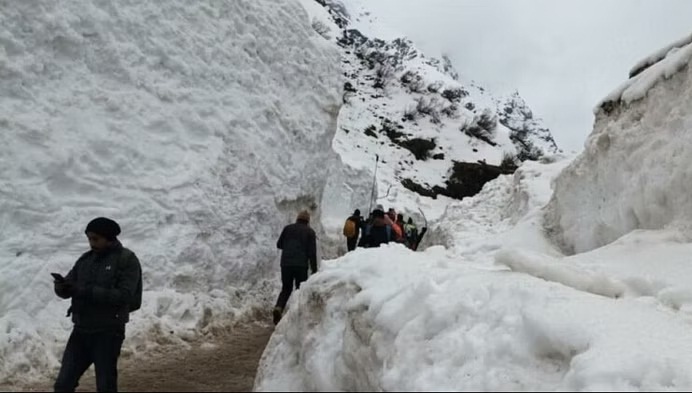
(562, 56)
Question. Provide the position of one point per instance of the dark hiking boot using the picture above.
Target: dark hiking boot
(278, 311)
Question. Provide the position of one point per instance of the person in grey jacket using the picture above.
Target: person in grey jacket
(105, 285)
(298, 243)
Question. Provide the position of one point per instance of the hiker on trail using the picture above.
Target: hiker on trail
(390, 219)
(364, 239)
(298, 243)
(352, 228)
(105, 285)
(400, 224)
(411, 233)
(379, 232)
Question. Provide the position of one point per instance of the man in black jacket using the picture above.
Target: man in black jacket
(105, 285)
(298, 243)
(379, 231)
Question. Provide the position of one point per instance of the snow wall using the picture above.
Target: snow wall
(202, 128)
(636, 169)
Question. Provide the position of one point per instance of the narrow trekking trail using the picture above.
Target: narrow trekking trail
(227, 365)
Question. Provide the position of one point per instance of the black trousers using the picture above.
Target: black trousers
(351, 243)
(101, 348)
(290, 275)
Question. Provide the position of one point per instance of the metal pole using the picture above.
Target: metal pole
(374, 181)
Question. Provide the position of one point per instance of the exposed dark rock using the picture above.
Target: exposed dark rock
(417, 188)
(466, 179)
(420, 147)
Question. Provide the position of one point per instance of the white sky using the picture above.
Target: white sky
(562, 56)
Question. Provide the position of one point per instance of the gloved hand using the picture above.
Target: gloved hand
(63, 287)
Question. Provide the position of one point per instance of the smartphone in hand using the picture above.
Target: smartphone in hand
(57, 277)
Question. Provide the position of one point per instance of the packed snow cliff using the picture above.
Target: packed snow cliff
(567, 275)
(201, 128)
(636, 169)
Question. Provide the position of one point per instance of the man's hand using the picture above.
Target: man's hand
(64, 289)
(63, 285)
(57, 277)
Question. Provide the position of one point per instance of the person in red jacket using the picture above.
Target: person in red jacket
(400, 223)
(390, 218)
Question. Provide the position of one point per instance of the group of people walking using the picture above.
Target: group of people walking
(298, 243)
(380, 228)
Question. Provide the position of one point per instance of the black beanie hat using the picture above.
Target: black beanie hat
(357, 213)
(105, 227)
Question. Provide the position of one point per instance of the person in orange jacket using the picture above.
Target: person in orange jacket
(390, 218)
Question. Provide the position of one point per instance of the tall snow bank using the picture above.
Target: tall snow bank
(201, 127)
(649, 72)
(659, 55)
(393, 320)
(636, 169)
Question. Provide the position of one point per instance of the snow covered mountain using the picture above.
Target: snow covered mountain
(429, 127)
(201, 128)
(567, 275)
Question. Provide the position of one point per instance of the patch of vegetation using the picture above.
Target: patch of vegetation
(410, 114)
(413, 81)
(383, 75)
(509, 161)
(392, 131)
(450, 111)
(370, 131)
(482, 127)
(419, 147)
(352, 37)
(454, 95)
(527, 150)
(435, 87)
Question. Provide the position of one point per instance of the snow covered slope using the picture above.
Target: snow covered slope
(201, 127)
(636, 170)
(417, 115)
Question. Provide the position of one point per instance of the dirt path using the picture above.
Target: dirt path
(229, 365)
